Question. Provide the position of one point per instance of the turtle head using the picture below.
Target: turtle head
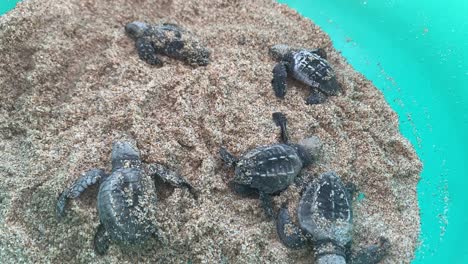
(124, 155)
(136, 29)
(310, 149)
(280, 52)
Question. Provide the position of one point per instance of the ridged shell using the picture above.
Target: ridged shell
(310, 68)
(126, 205)
(268, 168)
(325, 210)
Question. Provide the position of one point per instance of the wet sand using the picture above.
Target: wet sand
(72, 83)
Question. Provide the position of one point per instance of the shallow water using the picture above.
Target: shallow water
(417, 56)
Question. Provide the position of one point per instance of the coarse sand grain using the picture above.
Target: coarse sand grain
(72, 83)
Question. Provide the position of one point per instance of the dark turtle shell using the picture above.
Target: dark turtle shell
(269, 168)
(314, 70)
(325, 210)
(125, 206)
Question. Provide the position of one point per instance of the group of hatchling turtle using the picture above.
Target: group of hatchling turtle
(127, 199)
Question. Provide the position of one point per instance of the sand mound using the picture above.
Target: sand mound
(72, 83)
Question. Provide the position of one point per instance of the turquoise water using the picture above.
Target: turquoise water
(6, 5)
(416, 53)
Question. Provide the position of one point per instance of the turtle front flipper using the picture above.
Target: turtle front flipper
(280, 75)
(170, 177)
(147, 52)
(79, 186)
(372, 254)
(281, 121)
(290, 235)
(101, 240)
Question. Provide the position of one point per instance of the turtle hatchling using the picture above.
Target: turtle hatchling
(326, 218)
(126, 201)
(268, 170)
(167, 39)
(307, 66)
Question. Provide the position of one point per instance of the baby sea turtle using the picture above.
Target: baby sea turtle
(308, 66)
(167, 39)
(326, 218)
(270, 169)
(126, 199)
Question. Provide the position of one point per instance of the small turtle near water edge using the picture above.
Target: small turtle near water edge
(326, 218)
(307, 66)
(126, 200)
(268, 170)
(166, 39)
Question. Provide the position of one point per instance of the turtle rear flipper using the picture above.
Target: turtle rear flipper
(171, 177)
(147, 52)
(290, 235)
(281, 121)
(101, 240)
(229, 159)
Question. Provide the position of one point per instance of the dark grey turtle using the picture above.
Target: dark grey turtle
(271, 169)
(308, 66)
(126, 199)
(326, 218)
(167, 39)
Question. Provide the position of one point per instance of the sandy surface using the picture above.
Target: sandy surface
(71, 83)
